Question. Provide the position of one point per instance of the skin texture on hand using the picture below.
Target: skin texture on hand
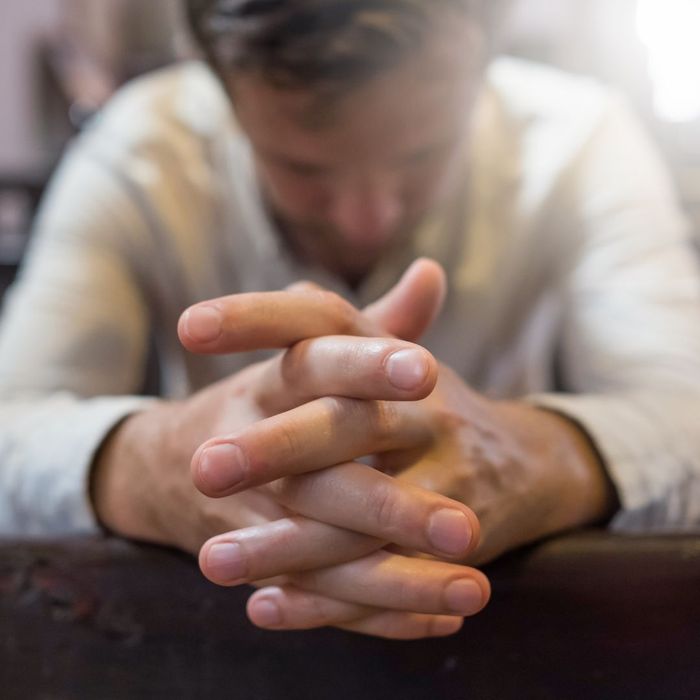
(526, 472)
(141, 490)
(330, 539)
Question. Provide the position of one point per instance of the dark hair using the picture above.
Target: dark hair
(324, 45)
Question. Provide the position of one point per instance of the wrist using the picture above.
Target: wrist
(120, 488)
(587, 493)
(568, 472)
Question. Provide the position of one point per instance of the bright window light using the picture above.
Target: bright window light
(670, 29)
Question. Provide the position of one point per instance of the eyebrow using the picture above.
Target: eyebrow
(294, 164)
(322, 168)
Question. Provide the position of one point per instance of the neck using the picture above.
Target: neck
(308, 247)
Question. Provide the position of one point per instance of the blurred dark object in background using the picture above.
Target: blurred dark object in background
(19, 198)
(102, 45)
(60, 61)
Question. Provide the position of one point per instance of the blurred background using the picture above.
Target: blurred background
(60, 60)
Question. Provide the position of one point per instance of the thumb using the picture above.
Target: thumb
(409, 308)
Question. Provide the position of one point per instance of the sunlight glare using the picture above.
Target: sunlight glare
(670, 30)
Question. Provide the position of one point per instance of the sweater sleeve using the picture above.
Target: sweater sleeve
(630, 348)
(73, 342)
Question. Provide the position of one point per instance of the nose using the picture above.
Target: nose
(367, 212)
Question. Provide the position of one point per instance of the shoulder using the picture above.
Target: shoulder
(171, 110)
(157, 144)
(543, 123)
(547, 112)
(535, 94)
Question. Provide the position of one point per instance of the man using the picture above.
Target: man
(340, 142)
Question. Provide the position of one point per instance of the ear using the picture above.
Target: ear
(409, 308)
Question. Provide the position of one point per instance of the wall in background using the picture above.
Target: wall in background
(596, 36)
(23, 23)
(113, 38)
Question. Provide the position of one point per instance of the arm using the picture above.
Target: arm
(631, 361)
(428, 442)
(141, 485)
(72, 339)
(81, 276)
(631, 337)
(142, 491)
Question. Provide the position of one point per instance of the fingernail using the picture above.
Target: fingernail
(266, 613)
(222, 467)
(406, 369)
(449, 531)
(464, 596)
(203, 324)
(225, 562)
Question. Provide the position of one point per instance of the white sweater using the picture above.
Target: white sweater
(571, 284)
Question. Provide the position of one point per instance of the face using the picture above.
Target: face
(348, 180)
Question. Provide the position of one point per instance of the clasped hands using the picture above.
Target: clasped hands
(336, 477)
(346, 551)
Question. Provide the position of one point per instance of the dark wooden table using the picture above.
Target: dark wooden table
(585, 616)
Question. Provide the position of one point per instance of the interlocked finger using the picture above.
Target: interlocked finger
(315, 435)
(361, 368)
(280, 547)
(406, 584)
(288, 607)
(265, 320)
(356, 497)
(404, 626)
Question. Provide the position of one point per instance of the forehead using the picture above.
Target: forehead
(425, 97)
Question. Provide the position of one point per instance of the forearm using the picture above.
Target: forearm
(587, 495)
(116, 462)
(124, 480)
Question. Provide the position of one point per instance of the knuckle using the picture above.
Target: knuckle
(342, 312)
(447, 422)
(339, 410)
(309, 581)
(289, 441)
(383, 418)
(294, 363)
(351, 359)
(377, 420)
(383, 507)
(287, 491)
(318, 611)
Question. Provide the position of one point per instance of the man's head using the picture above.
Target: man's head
(357, 110)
